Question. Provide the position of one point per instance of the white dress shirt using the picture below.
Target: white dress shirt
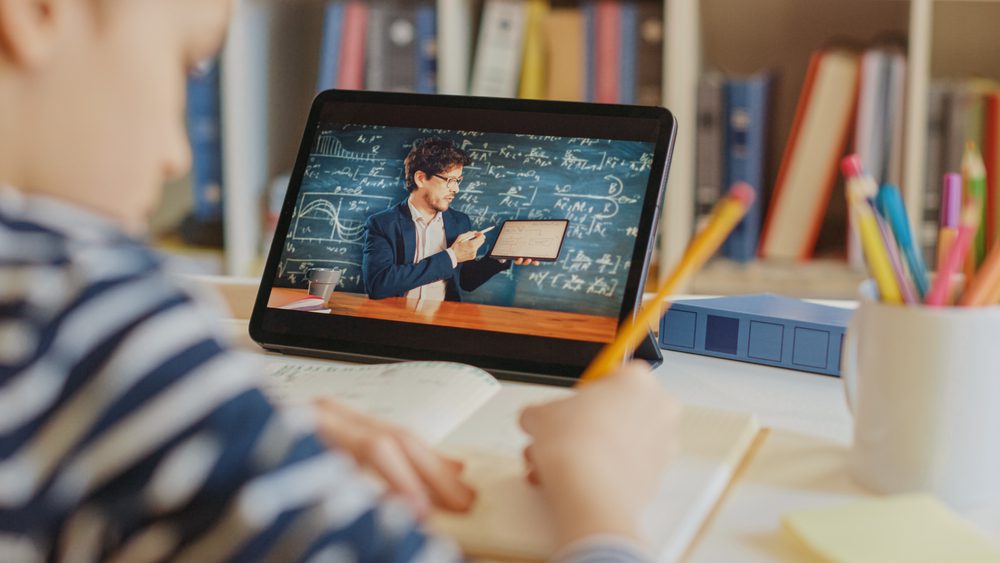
(430, 240)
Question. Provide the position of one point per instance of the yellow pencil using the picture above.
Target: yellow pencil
(727, 213)
(871, 241)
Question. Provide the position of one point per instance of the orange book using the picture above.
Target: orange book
(565, 37)
(607, 51)
(824, 116)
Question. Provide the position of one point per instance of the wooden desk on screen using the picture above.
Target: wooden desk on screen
(534, 322)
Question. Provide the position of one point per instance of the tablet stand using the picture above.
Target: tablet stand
(649, 350)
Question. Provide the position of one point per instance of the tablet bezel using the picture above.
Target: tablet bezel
(562, 241)
(548, 360)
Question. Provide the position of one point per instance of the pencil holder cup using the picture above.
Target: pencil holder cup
(923, 384)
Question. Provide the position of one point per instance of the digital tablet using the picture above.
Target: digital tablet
(387, 187)
(536, 239)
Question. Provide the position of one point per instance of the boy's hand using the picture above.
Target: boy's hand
(599, 455)
(467, 245)
(408, 465)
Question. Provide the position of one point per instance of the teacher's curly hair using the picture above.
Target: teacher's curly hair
(432, 155)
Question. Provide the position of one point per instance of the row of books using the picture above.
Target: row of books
(959, 111)
(844, 92)
(587, 50)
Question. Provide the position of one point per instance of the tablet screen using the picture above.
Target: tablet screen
(389, 192)
(539, 239)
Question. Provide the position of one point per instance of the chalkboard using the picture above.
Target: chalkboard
(354, 171)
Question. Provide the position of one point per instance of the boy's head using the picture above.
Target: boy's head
(92, 97)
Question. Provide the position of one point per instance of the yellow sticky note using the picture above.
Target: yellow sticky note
(913, 527)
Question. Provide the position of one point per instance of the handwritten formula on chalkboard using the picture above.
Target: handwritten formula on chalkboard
(597, 185)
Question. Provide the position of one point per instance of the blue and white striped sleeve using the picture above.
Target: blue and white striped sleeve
(139, 437)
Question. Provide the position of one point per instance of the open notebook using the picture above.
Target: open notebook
(470, 415)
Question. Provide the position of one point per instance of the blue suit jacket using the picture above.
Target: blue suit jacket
(390, 245)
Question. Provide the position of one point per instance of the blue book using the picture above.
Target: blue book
(629, 49)
(745, 139)
(426, 51)
(763, 329)
(329, 56)
(205, 132)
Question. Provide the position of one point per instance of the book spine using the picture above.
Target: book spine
(589, 8)
(745, 140)
(376, 59)
(352, 52)
(533, 68)
(455, 24)
(204, 122)
(649, 54)
(628, 47)
(708, 173)
(500, 49)
(564, 35)
(426, 59)
(607, 44)
(936, 126)
(991, 158)
(400, 47)
(329, 57)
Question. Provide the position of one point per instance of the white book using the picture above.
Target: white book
(454, 45)
(470, 415)
(500, 49)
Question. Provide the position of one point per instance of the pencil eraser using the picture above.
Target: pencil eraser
(850, 165)
(743, 192)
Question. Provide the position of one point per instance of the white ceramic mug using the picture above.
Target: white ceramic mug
(924, 386)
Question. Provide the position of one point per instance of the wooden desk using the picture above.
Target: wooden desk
(590, 328)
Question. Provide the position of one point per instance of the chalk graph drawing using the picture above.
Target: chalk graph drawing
(354, 171)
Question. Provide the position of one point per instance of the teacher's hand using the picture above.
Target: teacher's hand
(410, 467)
(467, 245)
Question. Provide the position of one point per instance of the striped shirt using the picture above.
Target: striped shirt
(129, 431)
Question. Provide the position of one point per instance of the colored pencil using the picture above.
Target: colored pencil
(890, 203)
(860, 188)
(959, 250)
(974, 177)
(980, 288)
(727, 213)
(951, 208)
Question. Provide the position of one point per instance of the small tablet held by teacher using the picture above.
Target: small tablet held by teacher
(535, 239)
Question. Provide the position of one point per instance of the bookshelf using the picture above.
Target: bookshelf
(271, 59)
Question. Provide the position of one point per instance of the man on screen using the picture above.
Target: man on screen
(421, 248)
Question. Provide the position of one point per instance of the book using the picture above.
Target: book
(455, 25)
(808, 171)
(469, 414)
(329, 56)
(427, 48)
(351, 66)
(745, 142)
(565, 37)
(991, 159)
(649, 53)
(628, 37)
(709, 146)
(937, 101)
(607, 51)
(499, 52)
(533, 66)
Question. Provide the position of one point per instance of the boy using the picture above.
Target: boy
(128, 430)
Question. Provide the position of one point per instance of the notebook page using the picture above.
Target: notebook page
(510, 518)
(428, 398)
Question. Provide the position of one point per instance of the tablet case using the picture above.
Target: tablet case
(762, 328)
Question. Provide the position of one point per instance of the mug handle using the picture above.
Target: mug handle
(849, 361)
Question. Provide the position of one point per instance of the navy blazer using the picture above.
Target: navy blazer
(390, 245)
